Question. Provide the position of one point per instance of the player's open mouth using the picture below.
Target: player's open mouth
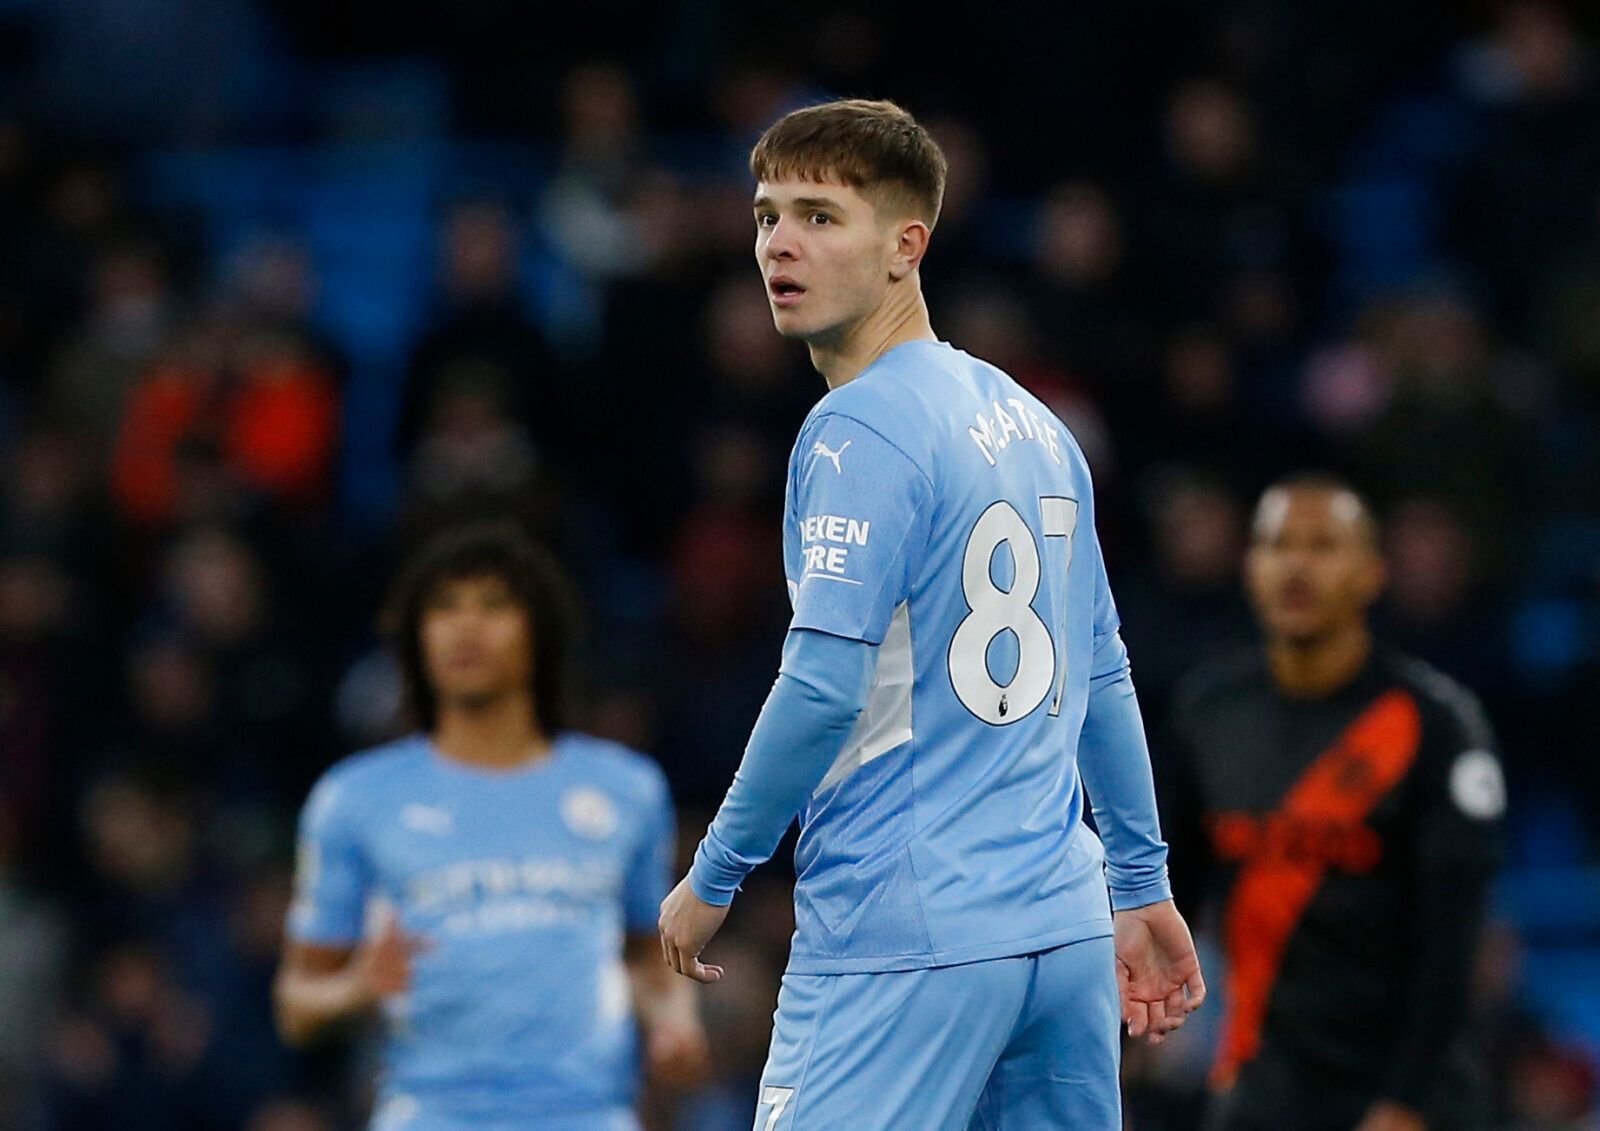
(784, 292)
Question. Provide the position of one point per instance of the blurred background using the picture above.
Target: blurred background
(284, 284)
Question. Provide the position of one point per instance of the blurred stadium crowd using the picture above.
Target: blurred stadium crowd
(282, 289)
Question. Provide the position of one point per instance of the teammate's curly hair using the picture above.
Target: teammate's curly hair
(536, 581)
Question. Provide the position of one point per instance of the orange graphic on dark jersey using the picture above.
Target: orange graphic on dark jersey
(1273, 888)
(1240, 837)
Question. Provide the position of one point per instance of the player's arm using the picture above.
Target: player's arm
(320, 986)
(861, 509)
(676, 1051)
(668, 1011)
(1158, 971)
(821, 689)
(313, 989)
(1457, 849)
(1115, 762)
(328, 972)
(1114, 758)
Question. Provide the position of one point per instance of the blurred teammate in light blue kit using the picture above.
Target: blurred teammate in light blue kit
(491, 883)
(952, 684)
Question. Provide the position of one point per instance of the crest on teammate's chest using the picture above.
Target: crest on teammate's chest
(589, 813)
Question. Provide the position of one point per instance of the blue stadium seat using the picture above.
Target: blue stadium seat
(1556, 913)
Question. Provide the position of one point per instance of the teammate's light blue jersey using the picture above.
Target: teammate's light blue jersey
(937, 509)
(523, 884)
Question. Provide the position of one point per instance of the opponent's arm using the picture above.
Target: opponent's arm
(1457, 847)
(1449, 914)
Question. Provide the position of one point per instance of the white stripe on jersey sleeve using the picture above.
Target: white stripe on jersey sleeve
(885, 723)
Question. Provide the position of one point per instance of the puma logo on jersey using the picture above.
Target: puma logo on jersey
(822, 449)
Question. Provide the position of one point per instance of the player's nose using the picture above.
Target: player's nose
(781, 243)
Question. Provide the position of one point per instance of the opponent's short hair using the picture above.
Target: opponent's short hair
(875, 147)
(1327, 483)
(537, 583)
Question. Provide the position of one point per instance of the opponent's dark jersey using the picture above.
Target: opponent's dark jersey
(1351, 839)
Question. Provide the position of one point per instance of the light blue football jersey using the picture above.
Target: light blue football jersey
(524, 884)
(939, 510)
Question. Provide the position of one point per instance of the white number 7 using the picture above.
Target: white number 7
(1060, 520)
(777, 1099)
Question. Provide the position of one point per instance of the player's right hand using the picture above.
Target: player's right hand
(1158, 972)
(687, 924)
(381, 966)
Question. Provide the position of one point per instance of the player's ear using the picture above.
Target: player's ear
(911, 244)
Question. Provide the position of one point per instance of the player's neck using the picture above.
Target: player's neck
(1314, 668)
(499, 733)
(902, 318)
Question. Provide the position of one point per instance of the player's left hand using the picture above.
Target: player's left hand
(1386, 1115)
(1158, 972)
(687, 924)
(677, 1054)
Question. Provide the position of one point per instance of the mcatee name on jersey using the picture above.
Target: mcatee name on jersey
(996, 432)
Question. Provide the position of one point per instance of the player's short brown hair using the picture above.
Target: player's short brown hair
(875, 147)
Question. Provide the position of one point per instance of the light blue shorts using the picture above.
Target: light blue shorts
(1014, 1044)
(406, 1112)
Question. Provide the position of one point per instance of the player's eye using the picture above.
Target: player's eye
(821, 218)
(766, 219)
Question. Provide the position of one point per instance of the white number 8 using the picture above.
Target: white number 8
(996, 610)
